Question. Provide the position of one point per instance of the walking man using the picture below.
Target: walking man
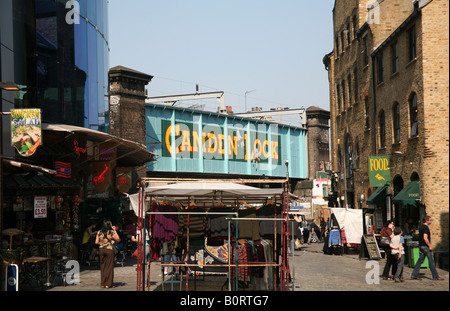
(425, 250)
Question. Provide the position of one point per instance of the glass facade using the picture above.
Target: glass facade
(61, 59)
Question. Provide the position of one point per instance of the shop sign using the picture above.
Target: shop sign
(186, 140)
(40, 207)
(63, 169)
(123, 179)
(26, 133)
(101, 177)
(379, 171)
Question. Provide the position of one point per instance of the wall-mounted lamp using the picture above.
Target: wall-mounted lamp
(9, 86)
(399, 154)
(362, 197)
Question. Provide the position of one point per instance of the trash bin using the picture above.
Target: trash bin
(413, 250)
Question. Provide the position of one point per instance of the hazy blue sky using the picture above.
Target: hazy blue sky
(272, 47)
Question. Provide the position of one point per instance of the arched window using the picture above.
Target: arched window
(415, 176)
(382, 129)
(413, 121)
(396, 122)
(357, 153)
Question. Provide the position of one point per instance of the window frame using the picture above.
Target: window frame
(413, 116)
(412, 43)
(382, 129)
(396, 122)
(380, 67)
(395, 58)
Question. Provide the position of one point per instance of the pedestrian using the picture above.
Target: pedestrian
(106, 237)
(314, 233)
(398, 254)
(386, 234)
(425, 250)
(323, 226)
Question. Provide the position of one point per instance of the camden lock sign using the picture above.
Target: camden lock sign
(379, 171)
(211, 142)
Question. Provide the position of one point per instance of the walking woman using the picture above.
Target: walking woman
(106, 237)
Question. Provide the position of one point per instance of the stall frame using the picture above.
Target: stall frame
(262, 194)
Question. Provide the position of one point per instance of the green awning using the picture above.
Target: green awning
(379, 196)
(409, 194)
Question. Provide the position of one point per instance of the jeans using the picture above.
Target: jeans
(400, 261)
(425, 251)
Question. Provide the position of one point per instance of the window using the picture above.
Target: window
(355, 76)
(412, 43)
(413, 115)
(396, 121)
(380, 69)
(344, 99)
(348, 34)
(382, 129)
(342, 40)
(349, 90)
(365, 52)
(366, 101)
(337, 44)
(355, 26)
(394, 55)
(357, 153)
(338, 95)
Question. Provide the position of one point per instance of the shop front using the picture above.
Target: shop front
(75, 175)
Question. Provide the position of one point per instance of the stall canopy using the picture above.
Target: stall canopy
(409, 195)
(379, 196)
(129, 153)
(351, 221)
(197, 189)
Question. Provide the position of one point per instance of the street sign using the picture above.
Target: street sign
(379, 171)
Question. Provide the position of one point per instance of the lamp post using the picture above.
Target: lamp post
(4, 86)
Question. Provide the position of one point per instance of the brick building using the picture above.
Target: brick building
(389, 96)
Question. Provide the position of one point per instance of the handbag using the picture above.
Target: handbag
(384, 241)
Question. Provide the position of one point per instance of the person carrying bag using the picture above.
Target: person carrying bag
(106, 237)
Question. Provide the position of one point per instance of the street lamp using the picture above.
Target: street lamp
(247, 92)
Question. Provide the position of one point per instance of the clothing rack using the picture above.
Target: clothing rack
(283, 265)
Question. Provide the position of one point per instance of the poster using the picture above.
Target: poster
(40, 207)
(26, 133)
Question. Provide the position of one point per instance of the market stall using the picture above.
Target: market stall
(220, 227)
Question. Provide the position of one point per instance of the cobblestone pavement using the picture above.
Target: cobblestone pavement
(310, 268)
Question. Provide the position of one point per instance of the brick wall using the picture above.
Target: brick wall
(426, 155)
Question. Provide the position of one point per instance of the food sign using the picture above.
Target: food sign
(26, 130)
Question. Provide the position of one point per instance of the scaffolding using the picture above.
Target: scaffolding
(214, 194)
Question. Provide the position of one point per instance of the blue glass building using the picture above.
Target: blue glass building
(57, 52)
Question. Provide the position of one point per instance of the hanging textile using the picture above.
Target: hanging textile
(218, 224)
(197, 225)
(267, 227)
(165, 227)
(248, 229)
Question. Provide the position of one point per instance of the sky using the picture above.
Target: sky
(261, 53)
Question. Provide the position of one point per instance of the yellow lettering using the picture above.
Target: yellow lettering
(212, 137)
(265, 149)
(274, 149)
(186, 142)
(167, 136)
(221, 139)
(232, 145)
(195, 141)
